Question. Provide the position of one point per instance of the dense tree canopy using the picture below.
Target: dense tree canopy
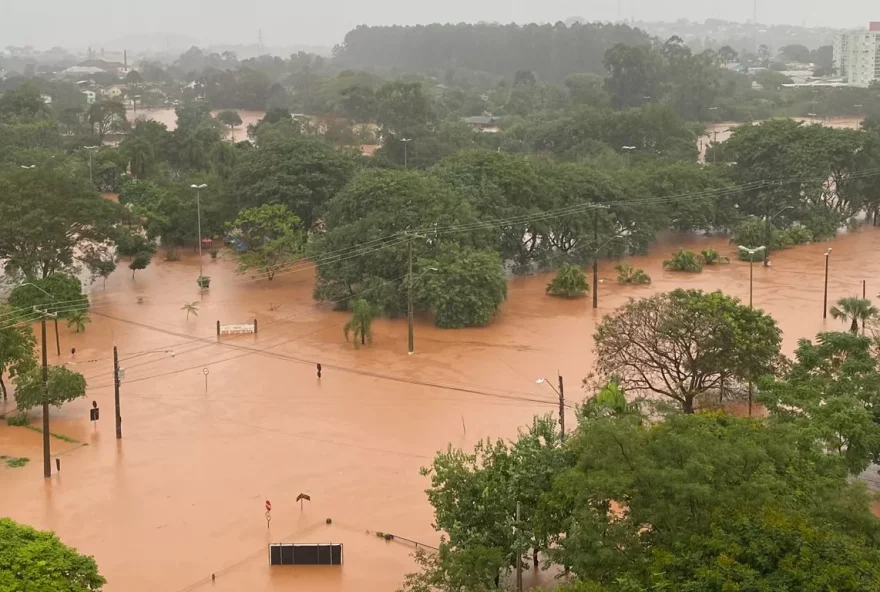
(36, 560)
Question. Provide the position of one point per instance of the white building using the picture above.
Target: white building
(857, 55)
(90, 96)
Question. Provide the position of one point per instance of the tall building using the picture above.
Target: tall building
(857, 55)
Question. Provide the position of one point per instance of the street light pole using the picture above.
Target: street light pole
(825, 301)
(198, 189)
(560, 392)
(751, 253)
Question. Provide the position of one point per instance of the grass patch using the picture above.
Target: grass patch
(19, 419)
(14, 462)
(59, 436)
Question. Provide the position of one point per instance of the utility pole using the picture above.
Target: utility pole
(519, 578)
(116, 392)
(561, 408)
(47, 463)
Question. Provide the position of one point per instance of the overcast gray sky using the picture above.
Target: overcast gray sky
(70, 23)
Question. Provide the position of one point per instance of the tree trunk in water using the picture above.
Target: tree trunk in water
(497, 580)
(535, 558)
(363, 336)
(855, 326)
(3, 388)
(688, 405)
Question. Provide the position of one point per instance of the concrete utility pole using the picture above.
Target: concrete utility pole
(825, 303)
(561, 409)
(116, 393)
(519, 578)
(198, 189)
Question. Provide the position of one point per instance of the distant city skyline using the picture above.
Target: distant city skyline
(69, 24)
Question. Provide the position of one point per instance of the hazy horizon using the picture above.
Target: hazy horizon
(70, 26)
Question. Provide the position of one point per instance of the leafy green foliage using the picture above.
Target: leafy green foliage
(64, 385)
(683, 260)
(139, 260)
(36, 560)
(626, 274)
(712, 257)
(854, 311)
(361, 323)
(466, 290)
(299, 173)
(267, 239)
(77, 320)
(48, 218)
(570, 282)
(682, 344)
(16, 349)
(59, 292)
(832, 390)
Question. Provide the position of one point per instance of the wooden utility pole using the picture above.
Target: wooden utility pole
(47, 461)
(561, 408)
(116, 393)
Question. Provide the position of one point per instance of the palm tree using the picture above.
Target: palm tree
(78, 319)
(191, 308)
(361, 322)
(854, 310)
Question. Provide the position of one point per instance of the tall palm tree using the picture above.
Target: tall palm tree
(191, 308)
(78, 319)
(361, 322)
(854, 310)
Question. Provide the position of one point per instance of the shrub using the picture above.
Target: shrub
(19, 420)
(626, 274)
(686, 261)
(800, 235)
(204, 281)
(570, 282)
(712, 257)
(782, 239)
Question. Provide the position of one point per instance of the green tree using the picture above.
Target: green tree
(23, 103)
(684, 261)
(634, 75)
(299, 173)
(570, 282)
(47, 220)
(107, 117)
(101, 264)
(64, 385)
(17, 344)
(139, 260)
(854, 310)
(361, 322)
(231, 119)
(78, 319)
(60, 295)
(37, 560)
(267, 238)
(466, 290)
(684, 343)
(712, 257)
(378, 208)
(833, 391)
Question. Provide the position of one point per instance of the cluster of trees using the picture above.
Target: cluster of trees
(646, 495)
(31, 559)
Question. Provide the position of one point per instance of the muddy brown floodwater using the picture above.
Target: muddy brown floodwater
(181, 496)
(169, 118)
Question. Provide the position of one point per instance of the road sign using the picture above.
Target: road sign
(205, 371)
(268, 506)
(301, 497)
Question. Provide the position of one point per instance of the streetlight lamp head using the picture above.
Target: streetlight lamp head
(433, 269)
(202, 186)
(541, 381)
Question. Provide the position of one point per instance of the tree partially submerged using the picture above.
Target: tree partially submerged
(267, 238)
(64, 385)
(682, 344)
(17, 344)
(570, 282)
(361, 323)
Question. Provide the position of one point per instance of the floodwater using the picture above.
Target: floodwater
(169, 118)
(182, 495)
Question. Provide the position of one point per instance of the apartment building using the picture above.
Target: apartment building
(857, 55)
